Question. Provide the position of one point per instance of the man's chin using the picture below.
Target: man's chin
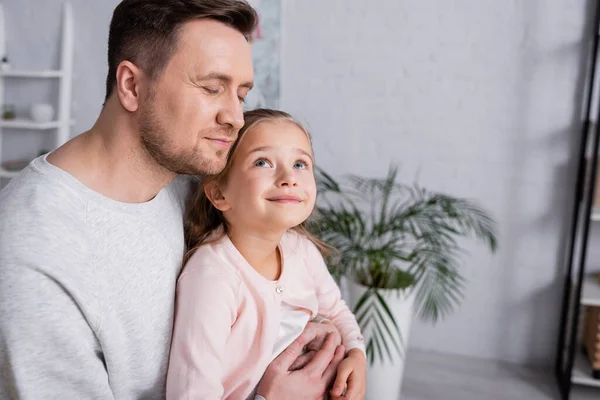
(212, 167)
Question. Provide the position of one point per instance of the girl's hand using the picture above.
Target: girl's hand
(351, 375)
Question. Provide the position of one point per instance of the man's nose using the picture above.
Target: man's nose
(232, 114)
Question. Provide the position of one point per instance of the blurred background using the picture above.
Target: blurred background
(481, 99)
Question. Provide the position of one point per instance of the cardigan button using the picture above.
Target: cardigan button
(279, 289)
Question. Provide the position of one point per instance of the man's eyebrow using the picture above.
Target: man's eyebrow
(225, 79)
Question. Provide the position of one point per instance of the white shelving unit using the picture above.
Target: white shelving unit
(32, 74)
(64, 74)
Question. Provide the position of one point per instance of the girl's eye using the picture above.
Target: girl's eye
(262, 163)
(300, 165)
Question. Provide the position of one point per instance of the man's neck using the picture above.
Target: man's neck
(110, 160)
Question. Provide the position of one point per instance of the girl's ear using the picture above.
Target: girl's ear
(213, 193)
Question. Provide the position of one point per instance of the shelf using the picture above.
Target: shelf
(582, 371)
(28, 124)
(590, 291)
(31, 74)
(8, 174)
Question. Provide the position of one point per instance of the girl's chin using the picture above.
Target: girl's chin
(281, 226)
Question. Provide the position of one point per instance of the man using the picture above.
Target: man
(91, 238)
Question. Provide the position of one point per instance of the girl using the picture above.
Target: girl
(254, 276)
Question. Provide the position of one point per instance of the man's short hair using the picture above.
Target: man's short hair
(145, 32)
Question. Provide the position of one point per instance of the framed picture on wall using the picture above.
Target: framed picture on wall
(266, 55)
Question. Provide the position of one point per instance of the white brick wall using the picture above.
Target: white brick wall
(474, 98)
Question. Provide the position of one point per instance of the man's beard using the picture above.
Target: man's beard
(155, 140)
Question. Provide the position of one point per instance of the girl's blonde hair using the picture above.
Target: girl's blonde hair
(204, 223)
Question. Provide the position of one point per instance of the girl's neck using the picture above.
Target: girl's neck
(260, 251)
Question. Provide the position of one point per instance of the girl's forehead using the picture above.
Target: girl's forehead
(275, 134)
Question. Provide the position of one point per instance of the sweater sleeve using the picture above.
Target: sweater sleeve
(47, 346)
(49, 317)
(206, 304)
(330, 300)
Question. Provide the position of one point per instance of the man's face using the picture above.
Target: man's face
(192, 111)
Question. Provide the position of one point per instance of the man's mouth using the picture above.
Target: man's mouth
(223, 142)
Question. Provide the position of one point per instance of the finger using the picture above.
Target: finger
(317, 366)
(284, 361)
(352, 391)
(329, 327)
(309, 334)
(340, 381)
(331, 370)
(325, 325)
(316, 344)
(318, 333)
(302, 360)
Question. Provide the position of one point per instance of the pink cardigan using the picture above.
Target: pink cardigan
(228, 315)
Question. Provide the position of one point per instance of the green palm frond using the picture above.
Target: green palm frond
(394, 236)
(379, 325)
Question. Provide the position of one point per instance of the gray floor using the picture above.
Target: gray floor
(431, 376)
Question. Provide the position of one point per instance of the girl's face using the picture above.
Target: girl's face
(271, 185)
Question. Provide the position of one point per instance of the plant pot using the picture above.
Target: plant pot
(384, 378)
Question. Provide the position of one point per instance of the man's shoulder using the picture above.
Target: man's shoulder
(41, 218)
(43, 236)
(37, 198)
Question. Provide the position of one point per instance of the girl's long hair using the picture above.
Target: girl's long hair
(204, 223)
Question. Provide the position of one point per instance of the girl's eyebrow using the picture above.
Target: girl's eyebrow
(266, 148)
(300, 151)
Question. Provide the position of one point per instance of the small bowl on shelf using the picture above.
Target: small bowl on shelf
(42, 112)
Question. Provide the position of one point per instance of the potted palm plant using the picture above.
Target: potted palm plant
(397, 246)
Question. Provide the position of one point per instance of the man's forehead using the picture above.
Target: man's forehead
(217, 49)
(212, 35)
(219, 42)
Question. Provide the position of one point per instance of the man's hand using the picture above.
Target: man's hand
(351, 380)
(311, 381)
(319, 330)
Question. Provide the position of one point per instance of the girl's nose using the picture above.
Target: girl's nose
(287, 178)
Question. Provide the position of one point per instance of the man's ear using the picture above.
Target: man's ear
(128, 85)
(213, 193)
